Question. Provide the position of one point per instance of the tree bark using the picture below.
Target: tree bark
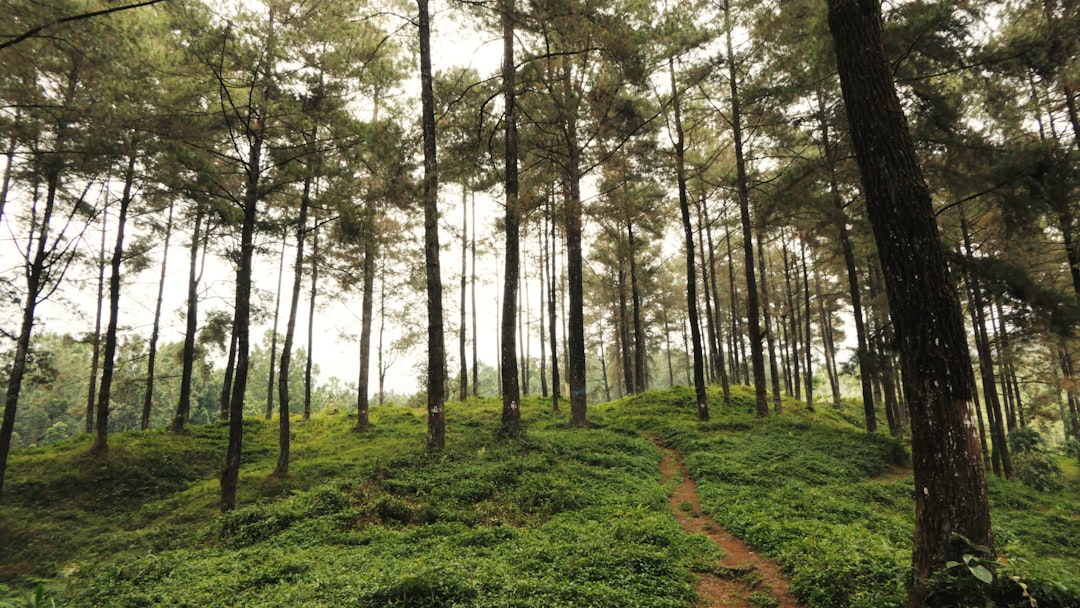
(363, 418)
(242, 317)
(148, 396)
(556, 381)
(183, 406)
(511, 391)
(950, 485)
(753, 309)
(95, 356)
(725, 382)
(767, 317)
(436, 362)
(284, 443)
(274, 335)
(463, 384)
(311, 319)
(108, 364)
(35, 274)
(688, 236)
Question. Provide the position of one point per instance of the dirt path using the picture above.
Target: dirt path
(754, 579)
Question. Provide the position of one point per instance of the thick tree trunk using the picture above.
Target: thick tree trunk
(183, 406)
(108, 364)
(436, 362)
(753, 309)
(688, 236)
(576, 318)
(950, 485)
(511, 391)
(148, 396)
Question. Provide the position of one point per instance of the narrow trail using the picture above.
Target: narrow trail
(752, 575)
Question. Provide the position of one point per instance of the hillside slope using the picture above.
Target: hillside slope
(566, 517)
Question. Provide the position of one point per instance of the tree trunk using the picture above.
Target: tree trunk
(511, 391)
(436, 362)
(463, 385)
(148, 396)
(725, 382)
(641, 382)
(274, 335)
(363, 418)
(688, 236)
(738, 349)
(753, 309)
(108, 364)
(791, 266)
(9, 159)
(95, 356)
(242, 316)
(556, 381)
(950, 485)
(472, 286)
(35, 274)
(311, 319)
(541, 241)
(230, 371)
(576, 318)
(770, 339)
(986, 362)
(183, 406)
(284, 442)
(622, 332)
(830, 361)
(713, 373)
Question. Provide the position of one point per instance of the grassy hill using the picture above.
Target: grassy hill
(565, 517)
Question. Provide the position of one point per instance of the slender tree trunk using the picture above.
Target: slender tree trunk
(463, 385)
(311, 319)
(738, 350)
(148, 396)
(511, 391)
(753, 309)
(790, 266)
(436, 363)
(641, 382)
(622, 332)
(230, 371)
(667, 347)
(108, 365)
(950, 484)
(382, 330)
(688, 243)
(808, 349)
(284, 413)
(95, 356)
(713, 372)
(986, 362)
(553, 281)
(541, 241)
(604, 367)
(274, 334)
(725, 382)
(183, 406)
(475, 357)
(770, 339)
(242, 317)
(363, 418)
(35, 274)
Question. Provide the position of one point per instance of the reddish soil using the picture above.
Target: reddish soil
(752, 574)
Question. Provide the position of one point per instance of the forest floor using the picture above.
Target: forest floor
(751, 576)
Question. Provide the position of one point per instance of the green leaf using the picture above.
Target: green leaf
(982, 573)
